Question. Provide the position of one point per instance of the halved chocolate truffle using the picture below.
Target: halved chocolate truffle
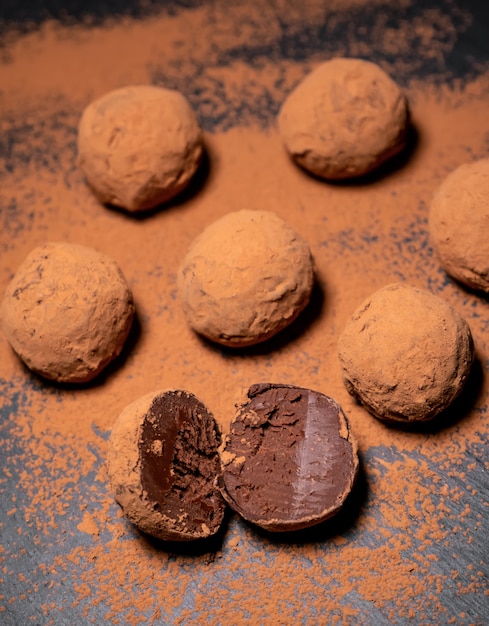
(290, 460)
(162, 464)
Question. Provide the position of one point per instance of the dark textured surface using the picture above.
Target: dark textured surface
(27, 14)
(418, 523)
(469, 17)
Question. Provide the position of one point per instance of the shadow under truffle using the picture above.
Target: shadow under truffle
(384, 170)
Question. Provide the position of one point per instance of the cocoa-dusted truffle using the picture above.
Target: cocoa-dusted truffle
(405, 354)
(245, 278)
(344, 119)
(290, 459)
(162, 463)
(458, 222)
(67, 311)
(139, 146)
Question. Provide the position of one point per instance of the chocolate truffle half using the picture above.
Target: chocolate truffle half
(162, 464)
(289, 460)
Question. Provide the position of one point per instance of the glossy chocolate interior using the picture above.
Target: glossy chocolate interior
(178, 450)
(290, 468)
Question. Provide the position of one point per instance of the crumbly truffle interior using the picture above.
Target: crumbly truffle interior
(289, 459)
(179, 461)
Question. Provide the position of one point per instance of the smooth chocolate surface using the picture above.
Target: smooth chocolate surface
(290, 460)
(179, 462)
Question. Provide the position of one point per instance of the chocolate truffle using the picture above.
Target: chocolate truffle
(458, 222)
(162, 463)
(139, 146)
(67, 311)
(245, 278)
(405, 354)
(344, 119)
(289, 460)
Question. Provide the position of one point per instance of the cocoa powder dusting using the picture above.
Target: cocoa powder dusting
(409, 544)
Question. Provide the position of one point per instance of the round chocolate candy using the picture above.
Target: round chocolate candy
(289, 460)
(406, 354)
(162, 464)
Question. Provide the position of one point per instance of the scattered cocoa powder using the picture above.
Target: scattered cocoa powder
(409, 547)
